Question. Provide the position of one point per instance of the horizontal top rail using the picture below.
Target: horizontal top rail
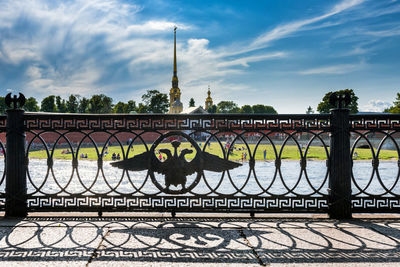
(380, 121)
(35, 121)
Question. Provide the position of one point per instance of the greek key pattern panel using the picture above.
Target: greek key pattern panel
(375, 122)
(176, 122)
(364, 204)
(127, 254)
(178, 203)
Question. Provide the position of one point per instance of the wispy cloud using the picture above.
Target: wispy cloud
(289, 28)
(334, 69)
(375, 105)
(85, 47)
(244, 61)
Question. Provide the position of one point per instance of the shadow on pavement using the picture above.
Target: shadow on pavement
(199, 240)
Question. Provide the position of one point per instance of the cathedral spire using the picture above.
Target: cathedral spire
(175, 68)
(175, 104)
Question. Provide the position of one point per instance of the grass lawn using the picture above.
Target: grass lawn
(289, 152)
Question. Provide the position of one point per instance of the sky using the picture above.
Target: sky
(284, 53)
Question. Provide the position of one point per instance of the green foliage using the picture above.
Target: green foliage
(122, 107)
(246, 109)
(227, 107)
(212, 109)
(324, 106)
(396, 106)
(309, 110)
(130, 107)
(61, 106)
(263, 109)
(100, 104)
(48, 104)
(72, 104)
(31, 105)
(83, 106)
(3, 106)
(142, 108)
(191, 102)
(155, 102)
(119, 107)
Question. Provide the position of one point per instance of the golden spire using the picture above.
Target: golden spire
(209, 101)
(175, 68)
(175, 104)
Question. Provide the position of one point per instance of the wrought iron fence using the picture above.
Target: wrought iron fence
(199, 163)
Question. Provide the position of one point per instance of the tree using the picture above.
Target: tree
(309, 110)
(246, 109)
(191, 102)
(324, 106)
(264, 109)
(212, 109)
(72, 104)
(119, 107)
(142, 108)
(227, 107)
(48, 104)
(100, 104)
(130, 107)
(61, 106)
(155, 101)
(396, 106)
(83, 105)
(31, 105)
(3, 107)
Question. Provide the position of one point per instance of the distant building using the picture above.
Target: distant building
(175, 104)
(209, 101)
(194, 110)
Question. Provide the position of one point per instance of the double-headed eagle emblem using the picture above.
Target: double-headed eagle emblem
(176, 168)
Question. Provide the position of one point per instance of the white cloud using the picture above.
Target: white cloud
(375, 105)
(335, 69)
(86, 47)
(152, 26)
(289, 28)
(244, 61)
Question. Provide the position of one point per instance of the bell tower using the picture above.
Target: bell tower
(209, 101)
(175, 104)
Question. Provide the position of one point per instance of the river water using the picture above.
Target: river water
(64, 179)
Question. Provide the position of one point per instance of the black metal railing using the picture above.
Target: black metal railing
(199, 163)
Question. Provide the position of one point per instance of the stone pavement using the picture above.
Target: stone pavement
(191, 240)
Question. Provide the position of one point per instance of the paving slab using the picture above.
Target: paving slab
(195, 241)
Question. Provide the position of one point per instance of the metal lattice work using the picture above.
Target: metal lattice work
(3, 120)
(207, 162)
(376, 187)
(273, 184)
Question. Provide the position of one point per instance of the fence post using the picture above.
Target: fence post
(340, 160)
(16, 205)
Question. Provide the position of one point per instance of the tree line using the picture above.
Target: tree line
(154, 101)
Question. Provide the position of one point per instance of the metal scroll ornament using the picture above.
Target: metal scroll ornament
(176, 168)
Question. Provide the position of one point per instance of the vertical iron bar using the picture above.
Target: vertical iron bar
(340, 165)
(16, 205)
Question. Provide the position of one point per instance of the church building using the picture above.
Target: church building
(175, 104)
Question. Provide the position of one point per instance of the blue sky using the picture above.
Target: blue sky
(284, 53)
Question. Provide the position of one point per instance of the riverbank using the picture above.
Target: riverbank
(241, 152)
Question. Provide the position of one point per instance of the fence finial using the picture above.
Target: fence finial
(15, 100)
(340, 101)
